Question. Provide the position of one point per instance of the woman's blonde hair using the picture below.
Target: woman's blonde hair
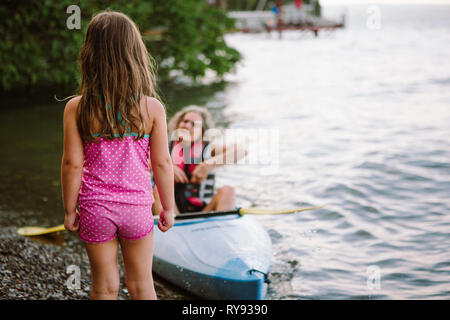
(207, 121)
(117, 71)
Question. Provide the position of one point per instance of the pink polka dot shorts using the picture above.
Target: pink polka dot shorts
(102, 221)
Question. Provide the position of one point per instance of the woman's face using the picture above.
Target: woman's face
(188, 123)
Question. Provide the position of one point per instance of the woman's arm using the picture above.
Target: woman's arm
(162, 164)
(226, 154)
(223, 154)
(71, 164)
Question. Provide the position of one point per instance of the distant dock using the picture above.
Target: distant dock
(290, 18)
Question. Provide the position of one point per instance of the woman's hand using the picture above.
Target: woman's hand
(179, 175)
(166, 220)
(200, 172)
(72, 221)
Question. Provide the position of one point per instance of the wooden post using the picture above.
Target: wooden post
(280, 18)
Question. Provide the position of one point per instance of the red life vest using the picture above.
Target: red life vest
(190, 196)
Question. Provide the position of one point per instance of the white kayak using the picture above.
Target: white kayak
(223, 257)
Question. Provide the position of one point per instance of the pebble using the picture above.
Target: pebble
(33, 269)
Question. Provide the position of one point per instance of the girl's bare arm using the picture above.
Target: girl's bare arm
(72, 159)
(160, 157)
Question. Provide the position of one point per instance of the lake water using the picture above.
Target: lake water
(362, 118)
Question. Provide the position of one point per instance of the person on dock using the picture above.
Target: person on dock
(111, 130)
(194, 159)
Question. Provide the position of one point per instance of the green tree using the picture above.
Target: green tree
(38, 50)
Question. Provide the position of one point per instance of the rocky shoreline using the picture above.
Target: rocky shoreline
(40, 268)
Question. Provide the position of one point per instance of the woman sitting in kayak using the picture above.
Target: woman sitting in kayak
(194, 159)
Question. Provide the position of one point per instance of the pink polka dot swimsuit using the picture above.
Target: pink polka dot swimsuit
(116, 192)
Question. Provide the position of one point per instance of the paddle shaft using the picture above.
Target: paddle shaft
(240, 211)
(204, 214)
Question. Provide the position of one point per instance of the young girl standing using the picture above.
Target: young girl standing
(111, 131)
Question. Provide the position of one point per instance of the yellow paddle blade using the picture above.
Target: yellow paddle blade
(268, 211)
(37, 231)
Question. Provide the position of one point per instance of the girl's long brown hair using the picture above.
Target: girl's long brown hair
(117, 71)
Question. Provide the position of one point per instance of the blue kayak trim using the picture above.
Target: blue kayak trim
(219, 287)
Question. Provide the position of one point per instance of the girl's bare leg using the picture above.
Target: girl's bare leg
(104, 270)
(138, 258)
